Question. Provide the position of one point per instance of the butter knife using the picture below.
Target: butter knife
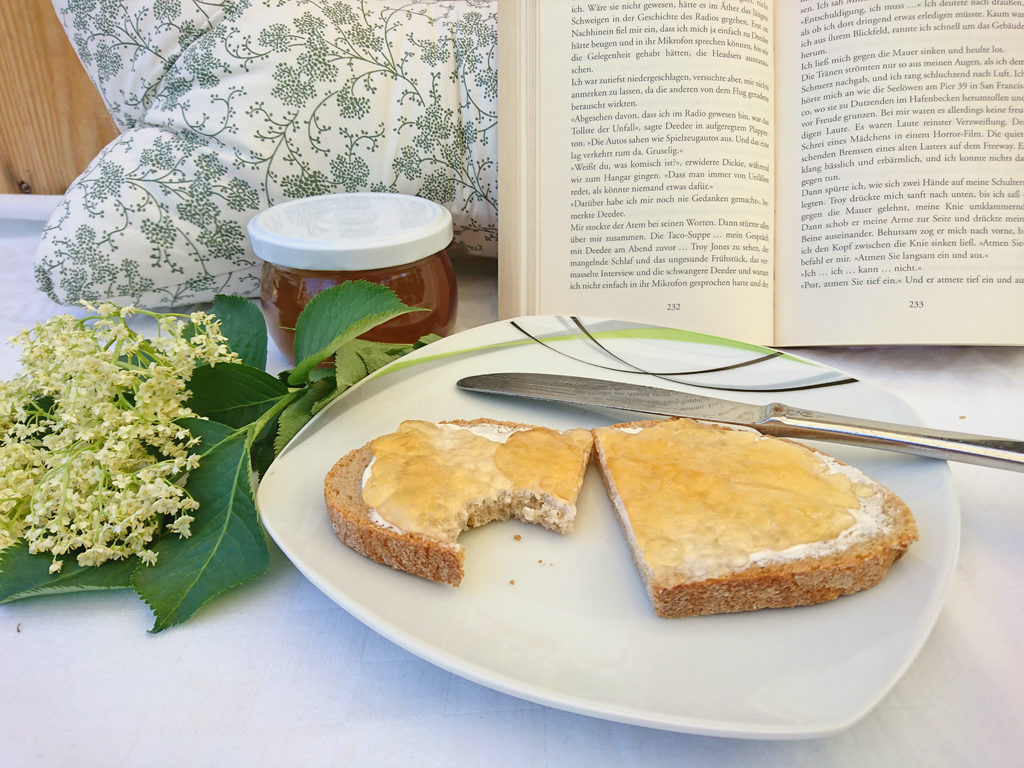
(771, 419)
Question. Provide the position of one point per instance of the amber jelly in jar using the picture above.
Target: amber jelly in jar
(314, 243)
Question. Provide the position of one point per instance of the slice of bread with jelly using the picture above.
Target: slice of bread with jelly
(721, 519)
(404, 498)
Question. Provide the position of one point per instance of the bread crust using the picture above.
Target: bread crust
(413, 553)
(786, 584)
(350, 518)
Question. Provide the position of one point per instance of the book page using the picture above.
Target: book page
(901, 172)
(654, 164)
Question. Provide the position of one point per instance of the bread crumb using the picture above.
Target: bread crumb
(517, 537)
(512, 582)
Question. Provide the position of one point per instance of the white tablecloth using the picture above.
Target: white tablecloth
(274, 673)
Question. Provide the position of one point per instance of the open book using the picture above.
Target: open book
(795, 173)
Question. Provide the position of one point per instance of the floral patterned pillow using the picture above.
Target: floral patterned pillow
(229, 106)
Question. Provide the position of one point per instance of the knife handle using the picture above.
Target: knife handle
(1000, 453)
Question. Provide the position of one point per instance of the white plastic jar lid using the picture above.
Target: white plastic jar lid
(350, 231)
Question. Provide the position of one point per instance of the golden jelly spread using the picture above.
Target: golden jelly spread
(425, 475)
(703, 500)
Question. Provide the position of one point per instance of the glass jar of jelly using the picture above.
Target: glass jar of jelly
(313, 243)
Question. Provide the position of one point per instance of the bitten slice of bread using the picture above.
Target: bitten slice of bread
(404, 498)
(722, 520)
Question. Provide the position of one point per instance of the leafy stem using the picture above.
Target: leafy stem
(243, 417)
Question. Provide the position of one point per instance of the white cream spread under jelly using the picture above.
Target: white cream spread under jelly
(424, 476)
(703, 501)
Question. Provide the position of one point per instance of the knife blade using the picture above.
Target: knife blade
(775, 419)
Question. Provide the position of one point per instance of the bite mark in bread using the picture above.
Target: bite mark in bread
(432, 481)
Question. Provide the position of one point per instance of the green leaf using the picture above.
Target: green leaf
(24, 575)
(299, 412)
(210, 433)
(261, 448)
(233, 394)
(348, 365)
(336, 316)
(241, 321)
(262, 451)
(323, 402)
(377, 354)
(324, 371)
(227, 546)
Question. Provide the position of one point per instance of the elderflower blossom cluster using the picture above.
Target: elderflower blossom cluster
(91, 454)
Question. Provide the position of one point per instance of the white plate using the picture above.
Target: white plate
(564, 621)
